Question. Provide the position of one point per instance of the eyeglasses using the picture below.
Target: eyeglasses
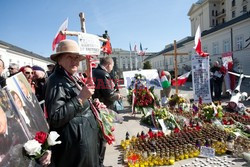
(28, 73)
(10, 68)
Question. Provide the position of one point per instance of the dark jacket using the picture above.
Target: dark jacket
(75, 123)
(216, 78)
(104, 87)
(39, 86)
(2, 82)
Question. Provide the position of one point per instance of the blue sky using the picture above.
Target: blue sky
(32, 24)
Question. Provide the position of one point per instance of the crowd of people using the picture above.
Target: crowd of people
(68, 104)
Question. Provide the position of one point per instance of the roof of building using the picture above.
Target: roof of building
(23, 51)
(185, 40)
(200, 1)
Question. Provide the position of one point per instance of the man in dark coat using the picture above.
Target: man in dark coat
(105, 87)
(69, 111)
(105, 90)
(217, 80)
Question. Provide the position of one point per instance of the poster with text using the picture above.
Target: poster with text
(152, 78)
(201, 79)
(12, 134)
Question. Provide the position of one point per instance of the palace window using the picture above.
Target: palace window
(244, 10)
(239, 42)
(215, 48)
(233, 14)
(226, 46)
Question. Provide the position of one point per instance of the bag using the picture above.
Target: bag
(118, 105)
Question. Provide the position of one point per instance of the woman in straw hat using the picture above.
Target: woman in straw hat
(69, 111)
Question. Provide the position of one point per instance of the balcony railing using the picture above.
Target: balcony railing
(220, 14)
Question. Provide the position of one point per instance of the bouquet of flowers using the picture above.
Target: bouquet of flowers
(35, 148)
(141, 97)
(211, 111)
(176, 100)
(105, 119)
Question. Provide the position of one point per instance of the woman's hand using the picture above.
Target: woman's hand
(86, 92)
(45, 160)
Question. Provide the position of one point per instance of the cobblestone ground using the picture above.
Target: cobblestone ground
(131, 124)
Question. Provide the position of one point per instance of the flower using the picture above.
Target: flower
(41, 137)
(52, 138)
(33, 147)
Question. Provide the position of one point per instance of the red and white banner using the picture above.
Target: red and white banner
(197, 42)
(59, 37)
(181, 80)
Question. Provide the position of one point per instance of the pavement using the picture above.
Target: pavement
(132, 125)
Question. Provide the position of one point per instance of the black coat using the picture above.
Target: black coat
(2, 82)
(104, 87)
(75, 123)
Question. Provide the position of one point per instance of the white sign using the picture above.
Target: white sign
(207, 152)
(201, 79)
(152, 78)
(89, 44)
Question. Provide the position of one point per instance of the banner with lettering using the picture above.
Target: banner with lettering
(201, 79)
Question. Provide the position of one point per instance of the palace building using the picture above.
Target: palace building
(225, 27)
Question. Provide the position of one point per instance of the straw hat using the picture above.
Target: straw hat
(67, 46)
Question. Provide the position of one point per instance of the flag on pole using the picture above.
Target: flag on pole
(181, 79)
(197, 42)
(130, 49)
(141, 53)
(59, 37)
(135, 48)
(164, 81)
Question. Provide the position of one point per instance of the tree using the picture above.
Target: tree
(147, 65)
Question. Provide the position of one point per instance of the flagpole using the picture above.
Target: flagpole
(135, 61)
(130, 57)
(135, 50)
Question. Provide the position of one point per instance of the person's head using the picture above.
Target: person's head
(50, 67)
(1, 66)
(108, 63)
(216, 64)
(39, 72)
(17, 100)
(13, 68)
(68, 55)
(28, 73)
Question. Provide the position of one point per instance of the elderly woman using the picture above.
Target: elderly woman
(69, 111)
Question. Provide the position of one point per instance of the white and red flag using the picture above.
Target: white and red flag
(197, 42)
(59, 37)
(181, 79)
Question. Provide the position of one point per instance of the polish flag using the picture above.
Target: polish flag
(59, 37)
(197, 42)
(181, 79)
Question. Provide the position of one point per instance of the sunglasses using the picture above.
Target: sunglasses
(11, 68)
(28, 73)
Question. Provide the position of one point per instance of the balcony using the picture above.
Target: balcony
(221, 14)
